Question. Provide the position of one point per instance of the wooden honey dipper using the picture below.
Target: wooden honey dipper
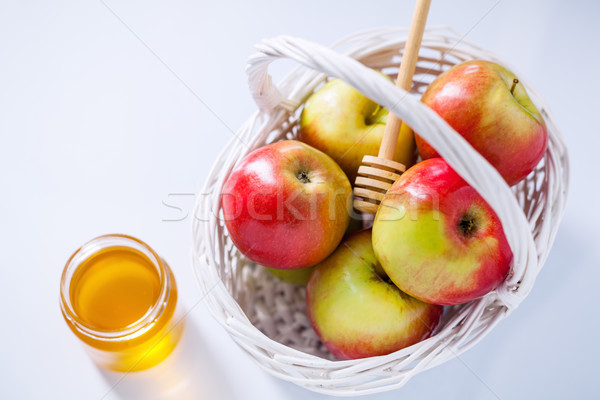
(378, 174)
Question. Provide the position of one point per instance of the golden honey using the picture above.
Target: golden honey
(120, 298)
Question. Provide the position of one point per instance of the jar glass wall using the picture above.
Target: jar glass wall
(120, 298)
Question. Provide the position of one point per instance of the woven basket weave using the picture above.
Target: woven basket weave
(267, 317)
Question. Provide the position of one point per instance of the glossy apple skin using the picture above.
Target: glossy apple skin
(419, 240)
(276, 219)
(356, 311)
(507, 129)
(341, 122)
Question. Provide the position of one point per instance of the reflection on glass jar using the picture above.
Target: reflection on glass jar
(120, 298)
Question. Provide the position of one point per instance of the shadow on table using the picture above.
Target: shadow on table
(188, 373)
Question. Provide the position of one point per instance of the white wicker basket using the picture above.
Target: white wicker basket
(267, 317)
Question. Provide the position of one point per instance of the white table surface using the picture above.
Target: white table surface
(112, 110)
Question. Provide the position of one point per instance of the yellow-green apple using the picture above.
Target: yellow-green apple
(356, 311)
(437, 238)
(286, 205)
(487, 105)
(340, 121)
(297, 276)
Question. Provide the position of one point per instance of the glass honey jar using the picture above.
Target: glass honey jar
(120, 298)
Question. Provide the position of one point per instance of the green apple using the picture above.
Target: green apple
(356, 311)
(341, 122)
(298, 276)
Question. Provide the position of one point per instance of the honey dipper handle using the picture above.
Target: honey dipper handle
(405, 75)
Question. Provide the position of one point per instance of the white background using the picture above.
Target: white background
(104, 115)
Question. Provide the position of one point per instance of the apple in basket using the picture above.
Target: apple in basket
(356, 311)
(286, 205)
(296, 276)
(340, 121)
(299, 276)
(490, 108)
(437, 239)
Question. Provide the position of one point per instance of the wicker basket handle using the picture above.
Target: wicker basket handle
(467, 162)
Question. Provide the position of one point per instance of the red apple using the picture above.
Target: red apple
(437, 239)
(484, 102)
(356, 311)
(285, 205)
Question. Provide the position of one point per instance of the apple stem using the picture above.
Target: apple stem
(373, 117)
(512, 88)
